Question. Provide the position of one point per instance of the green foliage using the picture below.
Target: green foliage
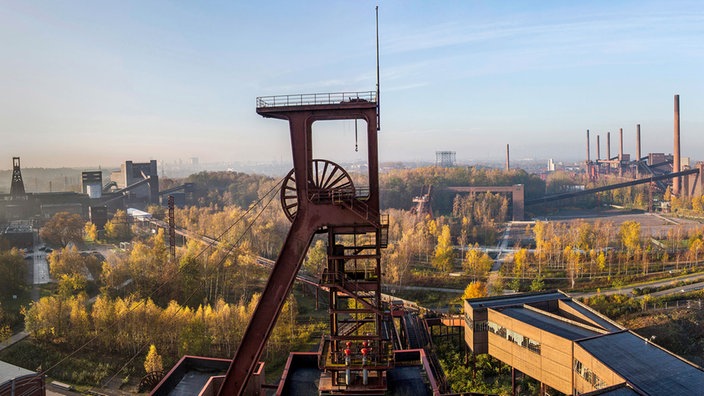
(12, 273)
(481, 374)
(614, 305)
(537, 284)
(316, 260)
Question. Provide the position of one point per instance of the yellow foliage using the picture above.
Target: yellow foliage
(475, 290)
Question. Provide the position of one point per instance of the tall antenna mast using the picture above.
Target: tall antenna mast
(378, 99)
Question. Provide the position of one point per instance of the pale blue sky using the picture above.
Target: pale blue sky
(87, 83)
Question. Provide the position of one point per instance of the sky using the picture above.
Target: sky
(95, 83)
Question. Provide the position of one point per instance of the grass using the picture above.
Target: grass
(89, 368)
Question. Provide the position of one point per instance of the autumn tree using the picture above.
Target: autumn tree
(91, 231)
(520, 262)
(153, 361)
(630, 236)
(475, 289)
(118, 228)
(12, 273)
(316, 259)
(63, 228)
(696, 246)
(5, 330)
(66, 261)
(442, 260)
(477, 263)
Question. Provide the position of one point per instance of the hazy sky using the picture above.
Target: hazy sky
(87, 83)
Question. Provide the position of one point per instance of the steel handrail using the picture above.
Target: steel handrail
(315, 99)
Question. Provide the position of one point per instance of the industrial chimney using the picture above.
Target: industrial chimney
(638, 153)
(508, 164)
(676, 151)
(598, 148)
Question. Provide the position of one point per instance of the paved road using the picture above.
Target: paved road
(665, 282)
(15, 338)
(41, 268)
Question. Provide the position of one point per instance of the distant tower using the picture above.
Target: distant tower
(508, 162)
(445, 159)
(17, 186)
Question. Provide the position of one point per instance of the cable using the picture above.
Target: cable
(181, 306)
(144, 300)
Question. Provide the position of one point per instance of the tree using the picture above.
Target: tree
(475, 289)
(442, 260)
(63, 228)
(537, 284)
(317, 258)
(630, 236)
(477, 263)
(118, 228)
(5, 330)
(66, 261)
(91, 231)
(520, 261)
(12, 273)
(153, 361)
(695, 247)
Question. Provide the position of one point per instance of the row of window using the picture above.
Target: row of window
(478, 326)
(516, 338)
(588, 375)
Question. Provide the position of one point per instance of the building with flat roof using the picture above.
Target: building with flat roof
(15, 380)
(131, 173)
(573, 349)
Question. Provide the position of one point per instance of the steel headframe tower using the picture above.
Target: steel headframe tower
(318, 196)
(17, 186)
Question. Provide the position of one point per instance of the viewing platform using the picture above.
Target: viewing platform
(316, 99)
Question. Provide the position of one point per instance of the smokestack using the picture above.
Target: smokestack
(620, 152)
(638, 150)
(588, 154)
(598, 148)
(638, 154)
(676, 151)
(608, 146)
(508, 164)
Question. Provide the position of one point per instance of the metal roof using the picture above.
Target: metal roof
(600, 320)
(623, 389)
(647, 367)
(515, 299)
(553, 325)
(10, 371)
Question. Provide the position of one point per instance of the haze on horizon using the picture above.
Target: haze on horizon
(95, 84)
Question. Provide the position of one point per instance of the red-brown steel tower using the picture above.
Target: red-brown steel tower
(319, 196)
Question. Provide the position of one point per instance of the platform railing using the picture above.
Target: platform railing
(315, 99)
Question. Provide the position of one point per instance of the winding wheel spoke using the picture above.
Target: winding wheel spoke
(326, 178)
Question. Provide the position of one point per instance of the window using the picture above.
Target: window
(588, 375)
(516, 338)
